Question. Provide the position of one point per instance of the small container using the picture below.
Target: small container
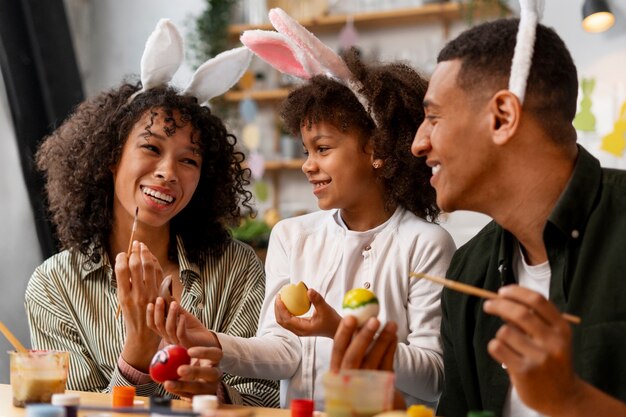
(358, 392)
(302, 408)
(70, 401)
(160, 405)
(123, 396)
(290, 148)
(44, 410)
(204, 404)
(37, 374)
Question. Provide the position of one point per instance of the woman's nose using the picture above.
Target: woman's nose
(166, 170)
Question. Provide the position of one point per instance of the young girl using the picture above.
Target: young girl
(156, 152)
(376, 228)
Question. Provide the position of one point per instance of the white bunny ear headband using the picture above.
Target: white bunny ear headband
(163, 55)
(530, 15)
(295, 51)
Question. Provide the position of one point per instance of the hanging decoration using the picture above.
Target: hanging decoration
(585, 121)
(615, 142)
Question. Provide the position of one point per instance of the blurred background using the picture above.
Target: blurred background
(55, 53)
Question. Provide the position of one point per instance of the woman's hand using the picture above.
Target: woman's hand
(202, 376)
(138, 279)
(323, 322)
(178, 326)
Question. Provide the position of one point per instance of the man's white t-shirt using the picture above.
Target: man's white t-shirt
(536, 278)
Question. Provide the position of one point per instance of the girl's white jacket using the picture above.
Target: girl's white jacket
(309, 248)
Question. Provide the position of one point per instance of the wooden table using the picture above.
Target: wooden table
(104, 400)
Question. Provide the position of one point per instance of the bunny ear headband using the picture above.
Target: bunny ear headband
(295, 51)
(531, 12)
(163, 55)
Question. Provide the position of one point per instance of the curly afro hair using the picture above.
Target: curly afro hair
(395, 93)
(77, 158)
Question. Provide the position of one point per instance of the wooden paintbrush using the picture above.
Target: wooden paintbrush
(479, 292)
(130, 247)
(19, 347)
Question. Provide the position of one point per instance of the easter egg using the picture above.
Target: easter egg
(165, 363)
(360, 303)
(295, 298)
(418, 410)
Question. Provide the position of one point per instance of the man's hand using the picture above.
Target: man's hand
(357, 349)
(202, 376)
(535, 346)
(323, 322)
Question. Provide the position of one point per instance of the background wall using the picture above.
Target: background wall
(109, 37)
(19, 250)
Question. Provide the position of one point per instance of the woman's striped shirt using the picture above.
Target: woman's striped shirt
(71, 305)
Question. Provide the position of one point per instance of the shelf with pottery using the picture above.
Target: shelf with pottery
(273, 96)
(444, 12)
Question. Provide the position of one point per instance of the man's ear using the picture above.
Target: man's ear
(506, 111)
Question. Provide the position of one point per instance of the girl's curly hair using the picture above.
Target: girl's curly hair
(395, 93)
(78, 157)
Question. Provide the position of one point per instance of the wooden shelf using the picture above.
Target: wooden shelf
(438, 12)
(286, 164)
(280, 165)
(257, 95)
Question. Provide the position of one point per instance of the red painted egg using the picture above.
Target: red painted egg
(165, 363)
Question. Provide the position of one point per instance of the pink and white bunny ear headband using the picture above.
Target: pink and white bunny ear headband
(530, 15)
(295, 51)
(163, 55)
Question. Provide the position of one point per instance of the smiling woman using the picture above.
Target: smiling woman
(160, 151)
(161, 160)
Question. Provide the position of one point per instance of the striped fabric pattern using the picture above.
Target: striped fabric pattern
(71, 306)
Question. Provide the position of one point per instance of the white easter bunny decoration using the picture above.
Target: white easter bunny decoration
(163, 55)
(530, 14)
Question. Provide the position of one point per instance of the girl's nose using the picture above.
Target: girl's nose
(309, 165)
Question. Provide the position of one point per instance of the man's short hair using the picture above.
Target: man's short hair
(486, 53)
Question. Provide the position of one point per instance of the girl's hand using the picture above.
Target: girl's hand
(138, 279)
(323, 322)
(178, 326)
(202, 376)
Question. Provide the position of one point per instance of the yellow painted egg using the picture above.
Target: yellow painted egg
(295, 298)
(420, 411)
